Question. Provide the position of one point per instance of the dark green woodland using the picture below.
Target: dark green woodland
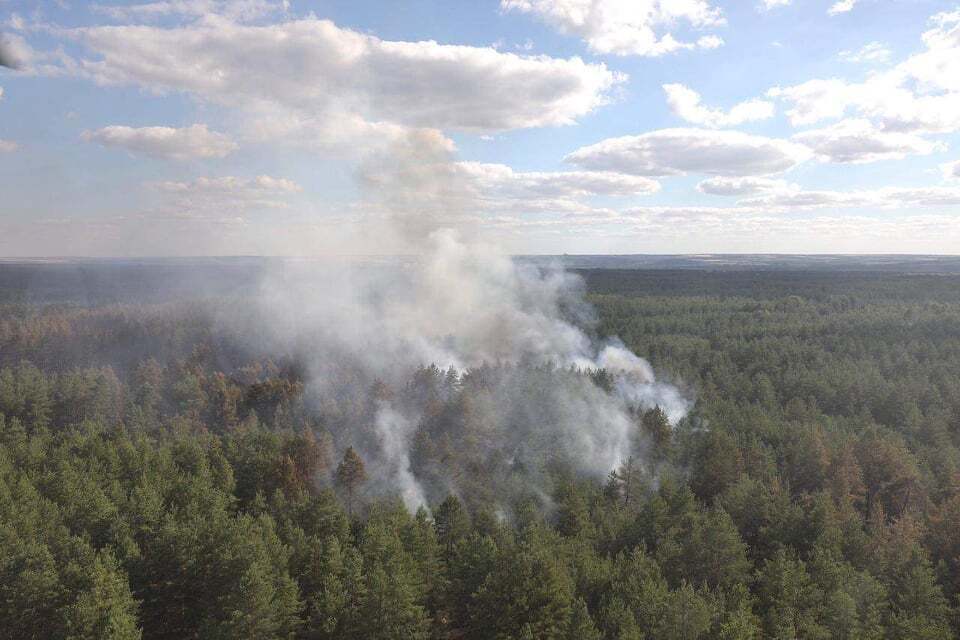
(160, 481)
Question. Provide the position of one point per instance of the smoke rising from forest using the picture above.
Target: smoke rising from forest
(518, 334)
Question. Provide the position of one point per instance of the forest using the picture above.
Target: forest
(159, 479)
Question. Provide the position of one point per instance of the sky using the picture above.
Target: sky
(262, 127)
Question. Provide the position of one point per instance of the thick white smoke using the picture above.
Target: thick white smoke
(395, 431)
(458, 303)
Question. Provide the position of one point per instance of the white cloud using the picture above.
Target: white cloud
(195, 141)
(625, 27)
(496, 188)
(17, 54)
(313, 69)
(843, 6)
(921, 94)
(811, 199)
(8, 146)
(698, 151)
(224, 197)
(951, 170)
(1, 93)
(767, 5)
(231, 184)
(432, 184)
(685, 103)
(938, 67)
(870, 52)
(710, 42)
(703, 229)
(887, 197)
(858, 141)
(503, 181)
(815, 100)
(699, 231)
(881, 97)
(748, 186)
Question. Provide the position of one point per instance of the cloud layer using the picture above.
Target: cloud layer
(697, 151)
(743, 186)
(314, 67)
(186, 143)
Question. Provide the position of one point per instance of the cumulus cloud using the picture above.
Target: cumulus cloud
(748, 186)
(843, 6)
(698, 151)
(938, 67)
(870, 52)
(185, 143)
(919, 95)
(685, 103)
(8, 146)
(312, 69)
(815, 100)
(626, 27)
(858, 141)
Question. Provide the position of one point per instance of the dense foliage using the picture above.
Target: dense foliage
(158, 481)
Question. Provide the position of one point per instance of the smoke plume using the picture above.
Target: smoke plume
(518, 337)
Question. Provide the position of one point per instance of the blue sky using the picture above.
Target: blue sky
(543, 126)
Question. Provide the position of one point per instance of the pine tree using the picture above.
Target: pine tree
(452, 523)
(351, 474)
(739, 622)
(626, 481)
(106, 610)
(789, 600)
(391, 606)
(581, 625)
(471, 561)
(657, 427)
(528, 587)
